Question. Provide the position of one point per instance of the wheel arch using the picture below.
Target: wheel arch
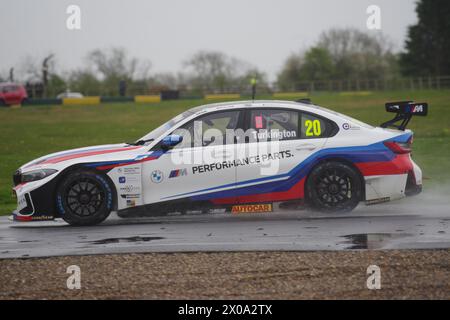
(340, 160)
(76, 167)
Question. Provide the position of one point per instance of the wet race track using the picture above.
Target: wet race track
(419, 223)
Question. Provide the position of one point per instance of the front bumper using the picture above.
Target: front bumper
(16, 216)
(35, 201)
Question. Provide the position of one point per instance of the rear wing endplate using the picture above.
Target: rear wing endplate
(404, 110)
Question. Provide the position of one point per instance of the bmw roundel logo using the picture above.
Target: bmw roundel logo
(157, 176)
(346, 126)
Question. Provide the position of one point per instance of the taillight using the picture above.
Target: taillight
(399, 147)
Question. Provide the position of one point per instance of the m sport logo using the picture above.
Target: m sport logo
(178, 173)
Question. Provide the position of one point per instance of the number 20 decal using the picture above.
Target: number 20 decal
(313, 128)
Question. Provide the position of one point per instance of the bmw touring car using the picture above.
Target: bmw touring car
(225, 155)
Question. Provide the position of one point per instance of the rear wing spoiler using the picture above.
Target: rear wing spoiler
(404, 110)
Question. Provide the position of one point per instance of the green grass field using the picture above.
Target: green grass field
(30, 132)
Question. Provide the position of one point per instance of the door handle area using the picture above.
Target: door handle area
(306, 146)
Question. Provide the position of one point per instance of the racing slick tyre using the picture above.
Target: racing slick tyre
(84, 198)
(334, 187)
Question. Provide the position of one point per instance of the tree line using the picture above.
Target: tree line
(350, 54)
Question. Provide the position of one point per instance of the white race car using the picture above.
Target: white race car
(238, 156)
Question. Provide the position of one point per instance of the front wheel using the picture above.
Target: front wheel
(84, 198)
(334, 187)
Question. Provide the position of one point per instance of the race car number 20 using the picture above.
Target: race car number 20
(313, 128)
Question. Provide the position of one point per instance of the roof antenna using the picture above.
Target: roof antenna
(253, 82)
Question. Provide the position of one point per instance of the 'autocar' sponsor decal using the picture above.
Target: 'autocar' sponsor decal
(252, 208)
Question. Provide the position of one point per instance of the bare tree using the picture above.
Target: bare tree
(358, 55)
(29, 69)
(84, 81)
(341, 54)
(113, 66)
(143, 70)
(291, 72)
(112, 63)
(215, 70)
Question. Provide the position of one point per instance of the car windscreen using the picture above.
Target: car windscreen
(156, 133)
(9, 89)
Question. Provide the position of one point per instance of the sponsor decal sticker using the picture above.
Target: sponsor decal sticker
(418, 108)
(40, 218)
(157, 176)
(252, 208)
(178, 173)
(21, 203)
(131, 203)
(242, 162)
(33, 218)
(131, 196)
(130, 170)
(274, 134)
(122, 179)
(258, 122)
(130, 188)
(347, 126)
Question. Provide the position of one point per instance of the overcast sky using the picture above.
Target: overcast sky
(262, 32)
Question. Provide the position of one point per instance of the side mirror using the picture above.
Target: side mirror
(207, 142)
(171, 141)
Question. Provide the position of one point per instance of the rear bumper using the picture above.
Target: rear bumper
(393, 179)
(414, 181)
(412, 186)
(413, 190)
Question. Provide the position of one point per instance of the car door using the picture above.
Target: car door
(200, 167)
(282, 140)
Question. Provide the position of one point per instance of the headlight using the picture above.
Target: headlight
(37, 175)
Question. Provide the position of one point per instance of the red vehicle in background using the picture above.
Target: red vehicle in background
(12, 93)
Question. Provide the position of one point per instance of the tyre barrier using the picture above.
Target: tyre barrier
(166, 96)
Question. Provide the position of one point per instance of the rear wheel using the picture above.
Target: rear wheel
(84, 198)
(334, 187)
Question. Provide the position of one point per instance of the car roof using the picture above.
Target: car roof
(6, 84)
(302, 106)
